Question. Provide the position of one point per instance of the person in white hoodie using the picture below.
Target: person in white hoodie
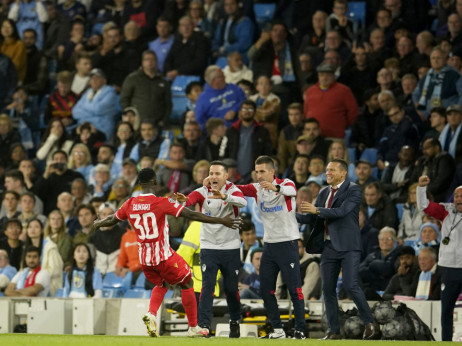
(235, 70)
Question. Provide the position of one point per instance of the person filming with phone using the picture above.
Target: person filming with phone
(449, 259)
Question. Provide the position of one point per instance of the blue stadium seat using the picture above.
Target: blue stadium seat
(410, 243)
(180, 82)
(222, 62)
(264, 13)
(352, 155)
(375, 172)
(59, 293)
(137, 293)
(370, 154)
(347, 137)
(357, 13)
(400, 209)
(115, 286)
(180, 105)
(140, 281)
(112, 293)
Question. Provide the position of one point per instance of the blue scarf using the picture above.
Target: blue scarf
(452, 145)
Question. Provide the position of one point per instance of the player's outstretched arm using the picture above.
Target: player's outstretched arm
(111, 220)
(226, 221)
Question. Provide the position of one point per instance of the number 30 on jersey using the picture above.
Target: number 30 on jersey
(148, 230)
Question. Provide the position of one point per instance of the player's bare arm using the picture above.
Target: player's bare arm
(226, 221)
(109, 221)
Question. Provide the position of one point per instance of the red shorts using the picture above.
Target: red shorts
(174, 271)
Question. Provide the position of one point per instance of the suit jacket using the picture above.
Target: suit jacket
(341, 218)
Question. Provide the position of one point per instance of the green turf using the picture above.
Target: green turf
(99, 340)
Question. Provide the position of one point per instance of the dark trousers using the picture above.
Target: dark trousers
(228, 262)
(348, 261)
(451, 287)
(282, 257)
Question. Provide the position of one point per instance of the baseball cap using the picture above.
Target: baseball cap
(128, 161)
(97, 72)
(315, 180)
(326, 68)
(454, 108)
(303, 138)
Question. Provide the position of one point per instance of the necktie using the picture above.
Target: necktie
(329, 204)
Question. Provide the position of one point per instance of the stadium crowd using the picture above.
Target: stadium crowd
(86, 102)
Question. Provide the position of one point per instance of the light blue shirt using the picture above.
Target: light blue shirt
(161, 48)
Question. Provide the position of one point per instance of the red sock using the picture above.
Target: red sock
(190, 306)
(157, 296)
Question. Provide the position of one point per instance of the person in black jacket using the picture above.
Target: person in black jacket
(189, 52)
(381, 211)
(247, 140)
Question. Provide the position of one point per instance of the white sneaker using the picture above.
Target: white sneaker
(277, 334)
(197, 331)
(151, 324)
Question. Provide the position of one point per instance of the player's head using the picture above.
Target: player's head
(218, 174)
(147, 178)
(264, 168)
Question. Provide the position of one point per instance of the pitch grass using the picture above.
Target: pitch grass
(100, 340)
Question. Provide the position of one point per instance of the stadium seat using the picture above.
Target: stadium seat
(357, 13)
(112, 293)
(410, 243)
(264, 13)
(140, 281)
(115, 286)
(59, 293)
(222, 62)
(352, 155)
(347, 137)
(180, 105)
(400, 208)
(137, 293)
(370, 154)
(180, 82)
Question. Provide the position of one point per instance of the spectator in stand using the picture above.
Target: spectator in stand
(401, 132)
(11, 244)
(80, 160)
(79, 192)
(56, 31)
(363, 172)
(148, 91)
(28, 169)
(30, 281)
(123, 142)
(120, 192)
(275, 56)
(268, 107)
(309, 273)
(454, 35)
(55, 138)
(57, 178)
(57, 232)
(247, 140)
(98, 105)
(249, 288)
(72, 9)
(330, 103)
(189, 52)
(174, 10)
(128, 260)
(81, 77)
(36, 78)
(409, 57)
(106, 156)
(381, 212)
(339, 21)
(219, 99)
(312, 132)
(199, 173)
(13, 47)
(300, 170)
(397, 176)
(86, 215)
(14, 181)
(437, 122)
(429, 236)
(193, 91)
(83, 280)
(176, 171)
(115, 59)
(369, 235)
(439, 166)
(317, 167)
(307, 70)
(132, 40)
(8, 136)
(10, 203)
(427, 283)
(10, 80)
(385, 81)
(249, 242)
(151, 143)
(101, 181)
(339, 150)
(450, 138)
(50, 259)
(17, 154)
(234, 32)
(441, 86)
(316, 35)
(26, 205)
(144, 13)
(107, 241)
(62, 100)
(288, 135)
(191, 139)
(65, 205)
(378, 268)
(162, 44)
(402, 283)
(70, 49)
(215, 145)
(7, 272)
(235, 70)
(411, 220)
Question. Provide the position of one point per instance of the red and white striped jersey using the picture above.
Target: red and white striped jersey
(148, 216)
(277, 210)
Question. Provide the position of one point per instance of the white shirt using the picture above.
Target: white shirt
(42, 278)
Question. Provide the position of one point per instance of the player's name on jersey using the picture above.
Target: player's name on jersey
(138, 207)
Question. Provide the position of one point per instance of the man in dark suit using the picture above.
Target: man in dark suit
(337, 236)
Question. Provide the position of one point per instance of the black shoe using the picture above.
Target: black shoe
(372, 332)
(299, 335)
(234, 330)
